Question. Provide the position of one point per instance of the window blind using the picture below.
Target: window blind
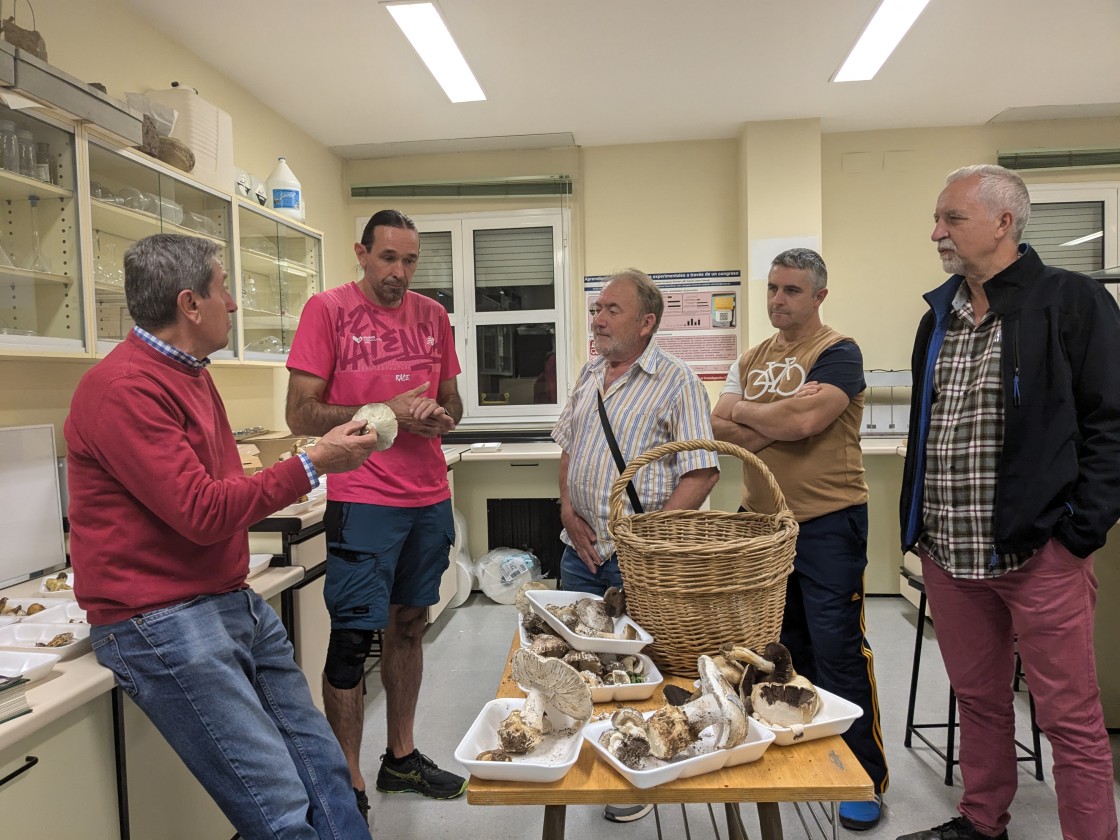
(514, 257)
(1053, 226)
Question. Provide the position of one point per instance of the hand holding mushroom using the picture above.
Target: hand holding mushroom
(548, 681)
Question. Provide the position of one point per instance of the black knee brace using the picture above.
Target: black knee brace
(346, 656)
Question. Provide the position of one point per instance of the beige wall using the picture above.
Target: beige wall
(879, 189)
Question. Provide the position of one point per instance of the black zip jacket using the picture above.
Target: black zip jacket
(1059, 472)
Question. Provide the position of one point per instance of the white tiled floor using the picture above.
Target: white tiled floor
(465, 653)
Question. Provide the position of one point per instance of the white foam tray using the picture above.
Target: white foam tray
(541, 599)
(32, 666)
(835, 716)
(702, 757)
(62, 593)
(25, 636)
(258, 563)
(65, 613)
(549, 762)
(23, 604)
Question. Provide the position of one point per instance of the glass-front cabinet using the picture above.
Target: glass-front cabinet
(133, 197)
(41, 306)
(280, 265)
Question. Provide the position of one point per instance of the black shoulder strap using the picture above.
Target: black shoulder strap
(609, 432)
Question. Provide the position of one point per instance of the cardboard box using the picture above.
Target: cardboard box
(271, 445)
(250, 458)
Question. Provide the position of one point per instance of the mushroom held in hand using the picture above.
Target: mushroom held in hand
(381, 419)
(671, 729)
(548, 680)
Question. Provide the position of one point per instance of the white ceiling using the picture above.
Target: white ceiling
(603, 72)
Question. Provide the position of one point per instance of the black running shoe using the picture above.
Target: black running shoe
(417, 773)
(363, 804)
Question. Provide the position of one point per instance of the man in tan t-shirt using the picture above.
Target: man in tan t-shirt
(796, 400)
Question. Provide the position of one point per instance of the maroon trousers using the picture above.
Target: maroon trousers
(1048, 605)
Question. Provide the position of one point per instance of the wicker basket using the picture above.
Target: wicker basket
(698, 579)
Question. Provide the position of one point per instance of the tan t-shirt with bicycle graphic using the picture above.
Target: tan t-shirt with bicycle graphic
(819, 474)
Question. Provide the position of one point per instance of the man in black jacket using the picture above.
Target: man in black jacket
(1012, 480)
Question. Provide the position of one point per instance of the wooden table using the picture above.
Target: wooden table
(824, 770)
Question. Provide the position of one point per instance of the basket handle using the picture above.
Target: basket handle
(618, 488)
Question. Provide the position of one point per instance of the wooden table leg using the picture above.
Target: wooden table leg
(769, 821)
(554, 822)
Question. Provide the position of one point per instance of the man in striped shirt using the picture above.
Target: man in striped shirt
(649, 398)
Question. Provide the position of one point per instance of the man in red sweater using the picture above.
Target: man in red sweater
(159, 511)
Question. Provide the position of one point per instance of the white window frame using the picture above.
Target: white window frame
(1106, 192)
(465, 320)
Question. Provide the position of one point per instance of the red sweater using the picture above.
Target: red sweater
(159, 504)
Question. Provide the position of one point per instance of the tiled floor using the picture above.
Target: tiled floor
(465, 653)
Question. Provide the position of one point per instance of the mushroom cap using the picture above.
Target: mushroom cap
(734, 728)
(546, 645)
(675, 695)
(779, 654)
(497, 754)
(584, 660)
(558, 683)
(614, 602)
(593, 615)
(786, 704)
(382, 420)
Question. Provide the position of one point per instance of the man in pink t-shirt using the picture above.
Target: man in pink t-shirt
(389, 526)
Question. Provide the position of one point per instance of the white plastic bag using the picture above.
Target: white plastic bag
(502, 571)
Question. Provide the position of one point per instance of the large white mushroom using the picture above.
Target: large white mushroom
(672, 729)
(381, 419)
(548, 681)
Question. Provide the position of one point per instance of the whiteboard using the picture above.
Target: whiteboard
(31, 537)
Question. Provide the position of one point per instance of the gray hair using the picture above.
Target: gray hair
(650, 301)
(1001, 190)
(160, 266)
(804, 259)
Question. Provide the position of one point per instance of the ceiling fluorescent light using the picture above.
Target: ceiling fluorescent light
(1083, 239)
(428, 34)
(887, 27)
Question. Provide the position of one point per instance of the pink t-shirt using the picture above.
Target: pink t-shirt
(367, 353)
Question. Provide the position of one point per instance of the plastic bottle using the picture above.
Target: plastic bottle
(9, 146)
(284, 193)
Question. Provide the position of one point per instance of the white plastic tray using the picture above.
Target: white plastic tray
(541, 599)
(32, 666)
(25, 635)
(65, 613)
(62, 593)
(612, 693)
(702, 757)
(549, 762)
(258, 563)
(834, 718)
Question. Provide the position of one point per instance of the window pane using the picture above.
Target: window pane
(517, 364)
(1069, 234)
(514, 268)
(433, 276)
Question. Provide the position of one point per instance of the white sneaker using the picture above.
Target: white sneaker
(626, 813)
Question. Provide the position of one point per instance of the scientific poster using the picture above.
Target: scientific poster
(701, 320)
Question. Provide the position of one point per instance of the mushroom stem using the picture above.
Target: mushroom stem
(532, 713)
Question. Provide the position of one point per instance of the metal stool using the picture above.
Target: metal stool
(949, 754)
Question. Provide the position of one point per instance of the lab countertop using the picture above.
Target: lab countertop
(74, 682)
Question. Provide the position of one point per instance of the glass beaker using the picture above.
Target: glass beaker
(9, 146)
(26, 152)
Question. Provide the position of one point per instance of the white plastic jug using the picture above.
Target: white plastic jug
(284, 193)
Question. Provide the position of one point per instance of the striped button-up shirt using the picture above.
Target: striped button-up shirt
(964, 446)
(656, 401)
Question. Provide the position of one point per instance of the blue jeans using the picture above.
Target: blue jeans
(823, 625)
(575, 577)
(216, 677)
